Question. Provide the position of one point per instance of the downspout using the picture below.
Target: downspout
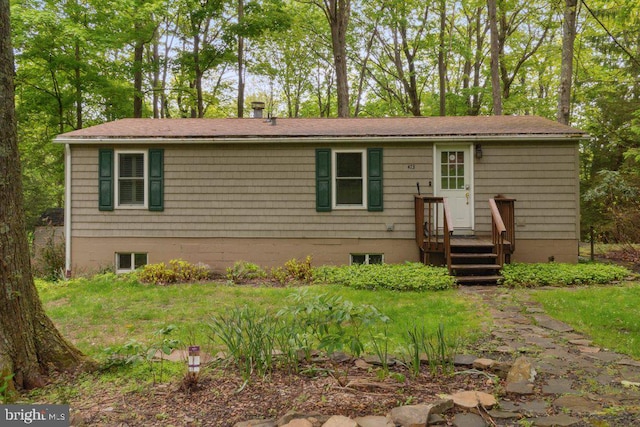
(67, 209)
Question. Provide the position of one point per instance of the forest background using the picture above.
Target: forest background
(84, 62)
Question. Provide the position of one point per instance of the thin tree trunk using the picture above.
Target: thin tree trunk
(30, 345)
(566, 73)
(156, 75)
(495, 58)
(78, 84)
(198, 111)
(138, 55)
(442, 69)
(240, 62)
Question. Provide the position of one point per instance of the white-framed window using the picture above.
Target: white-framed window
(131, 173)
(367, 259)
(349, 179)
(129, 261)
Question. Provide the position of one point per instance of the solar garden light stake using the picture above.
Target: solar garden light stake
(194, 361)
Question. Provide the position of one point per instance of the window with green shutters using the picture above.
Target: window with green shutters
(349, 179)
(131, 179)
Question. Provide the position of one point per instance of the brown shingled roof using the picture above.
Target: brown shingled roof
(327, 127)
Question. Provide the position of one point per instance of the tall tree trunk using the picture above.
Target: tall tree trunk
(156, 75)
(30, 344)
(337, 13)
(240, 62)
(442, 68)
(138, 55)
(198, 111)
(495, 58)
(566, 73)
(78, 88)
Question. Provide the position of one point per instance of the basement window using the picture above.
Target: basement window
(367, 259)
(129, 261)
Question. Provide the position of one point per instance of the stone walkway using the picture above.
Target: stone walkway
(575, 383)
(552, 376)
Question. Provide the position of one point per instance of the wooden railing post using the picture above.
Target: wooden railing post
(506, 207)
(498, 231)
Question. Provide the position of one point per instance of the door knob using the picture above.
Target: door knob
(467, 196)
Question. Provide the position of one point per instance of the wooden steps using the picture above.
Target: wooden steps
(474, 261)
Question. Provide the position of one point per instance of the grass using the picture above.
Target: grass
(108, 310)
(609, 315)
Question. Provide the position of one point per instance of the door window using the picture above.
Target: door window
(452, 170)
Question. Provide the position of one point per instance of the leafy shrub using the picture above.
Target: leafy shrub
(331, 321)
(178, 271)
(243, 271)
(294, 270)
(399, 277)
(553, 274)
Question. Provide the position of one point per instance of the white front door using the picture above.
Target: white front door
(454, 180)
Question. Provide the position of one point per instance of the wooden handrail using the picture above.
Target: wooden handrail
(448, 227)
(427, 226)
(498, 231)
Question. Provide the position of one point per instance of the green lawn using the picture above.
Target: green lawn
(610, 315)
(108, 311)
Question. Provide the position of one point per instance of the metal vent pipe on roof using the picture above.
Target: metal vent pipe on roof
(257, 107)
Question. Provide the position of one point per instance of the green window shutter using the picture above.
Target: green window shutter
(105, 179)
(323, 180)
(156, 179)
(374, 179)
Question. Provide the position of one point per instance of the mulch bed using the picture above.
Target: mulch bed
(222, 398)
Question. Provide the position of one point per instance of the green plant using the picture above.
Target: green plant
(178, 271)
(163, 345)
(49, 260)
(399, 277)
(380, 343)
(7, 391)
(333, 322)
(133, 352)
(122, 355)
(243, 271)
(438, 348)
(249, 336)
(415, 339)
(558, 274)
(299, 272)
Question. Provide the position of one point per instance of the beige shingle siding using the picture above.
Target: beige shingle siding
(269, 192)
(260, 192)
(544, 180)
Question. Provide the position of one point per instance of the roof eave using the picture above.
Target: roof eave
(317, 139)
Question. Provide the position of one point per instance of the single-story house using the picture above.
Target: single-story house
(217, 191)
